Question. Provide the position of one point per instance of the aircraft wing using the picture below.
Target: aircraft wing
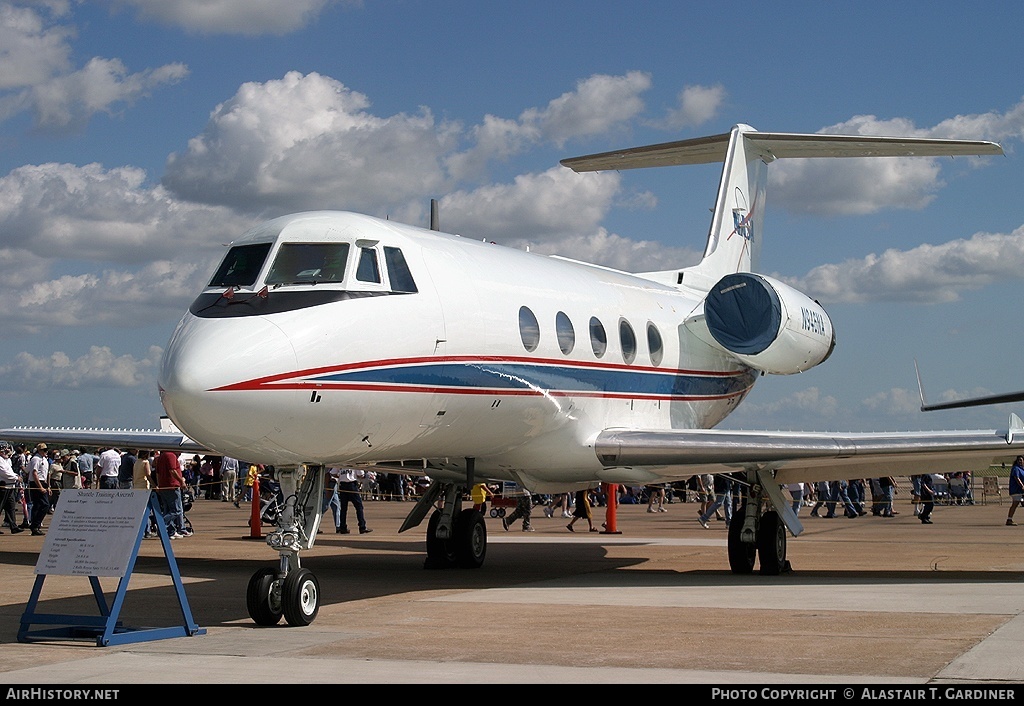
(998, 398)
(97, 438)
(810, 456)
(1001, 398)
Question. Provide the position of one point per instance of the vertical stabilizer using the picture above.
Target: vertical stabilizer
(734, 241)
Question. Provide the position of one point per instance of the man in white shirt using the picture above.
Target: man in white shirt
(8, 487)
(348, 492)
(39, 488)
(110, 464)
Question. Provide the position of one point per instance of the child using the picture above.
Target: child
(479, 495)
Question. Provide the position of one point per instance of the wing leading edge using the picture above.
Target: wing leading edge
(778, 145)
(98, 438)
(810, 456)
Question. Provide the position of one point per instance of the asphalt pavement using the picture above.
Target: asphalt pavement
(869, 601)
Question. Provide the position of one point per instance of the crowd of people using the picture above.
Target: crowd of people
(31, 482)
(719, 496)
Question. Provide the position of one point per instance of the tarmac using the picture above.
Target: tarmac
(869, 601)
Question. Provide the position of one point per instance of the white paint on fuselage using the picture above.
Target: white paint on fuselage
(466, 314)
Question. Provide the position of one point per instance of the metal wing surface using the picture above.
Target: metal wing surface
(810, 456)
(98, 438)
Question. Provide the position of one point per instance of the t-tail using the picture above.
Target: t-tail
(762, 322)
(737, 226)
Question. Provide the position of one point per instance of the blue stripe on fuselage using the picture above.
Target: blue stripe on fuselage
(497, 375)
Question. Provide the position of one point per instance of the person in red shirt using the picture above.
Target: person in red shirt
(170, 482)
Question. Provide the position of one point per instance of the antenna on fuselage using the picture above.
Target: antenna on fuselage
(435, 221)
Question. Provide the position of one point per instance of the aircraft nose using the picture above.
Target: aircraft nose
(204, 355)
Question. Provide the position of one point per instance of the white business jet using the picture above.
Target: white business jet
(331, 338)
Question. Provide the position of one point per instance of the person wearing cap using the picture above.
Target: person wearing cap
(72, 478)
(39, 488)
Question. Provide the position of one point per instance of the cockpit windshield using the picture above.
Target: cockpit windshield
(241, 266)
(308, 263)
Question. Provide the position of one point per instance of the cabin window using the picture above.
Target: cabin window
(564, 333)
(368, 270)
(598, 337)
(627, 339)
(654, 344)
(529, 329)
(398, 271)
(241, 266)
(308, 263)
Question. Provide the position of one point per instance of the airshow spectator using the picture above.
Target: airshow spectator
(126, 471)
(1016, 488)
(142, 471)
(927, 498)
(8, 487)
(349, 492)
(228, 478)
(523, 508)
(170, 482)
(582, 511)
(39, 488)
(87, 463)
(110, 465)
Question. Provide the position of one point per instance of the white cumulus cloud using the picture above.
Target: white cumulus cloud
(245, 17)
(926, 273)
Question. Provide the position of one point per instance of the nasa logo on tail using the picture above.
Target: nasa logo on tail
(742, 225)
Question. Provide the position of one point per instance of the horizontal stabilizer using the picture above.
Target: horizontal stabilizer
(778, 145)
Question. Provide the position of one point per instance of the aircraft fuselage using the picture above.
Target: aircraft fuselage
(454, 348)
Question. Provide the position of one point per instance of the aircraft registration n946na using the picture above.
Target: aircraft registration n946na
(331, 338)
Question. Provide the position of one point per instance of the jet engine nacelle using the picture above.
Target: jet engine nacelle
(767, 324)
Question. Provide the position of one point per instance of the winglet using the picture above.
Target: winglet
(920, 387)
(1015, 425)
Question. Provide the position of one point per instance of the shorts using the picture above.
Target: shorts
(1017, 497)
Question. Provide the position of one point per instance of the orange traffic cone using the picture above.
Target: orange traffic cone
(255, 528)
(611, 494)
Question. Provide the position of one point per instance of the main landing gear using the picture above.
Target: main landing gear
(456, 537)
(290, 590)
(757, 532)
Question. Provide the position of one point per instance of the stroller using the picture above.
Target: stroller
(271, 499)
(187, 498)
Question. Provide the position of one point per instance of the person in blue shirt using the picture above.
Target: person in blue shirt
(1016, 488)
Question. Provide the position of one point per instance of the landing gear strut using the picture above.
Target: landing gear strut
(290, 590)
(757, 532)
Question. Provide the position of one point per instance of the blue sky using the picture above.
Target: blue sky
(139, 136)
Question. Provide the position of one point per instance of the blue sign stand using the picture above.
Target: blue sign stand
(105, 627)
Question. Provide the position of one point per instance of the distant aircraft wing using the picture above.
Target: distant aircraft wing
(975, 401)
(810, 456)
(1000, 398)
(97, 438)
